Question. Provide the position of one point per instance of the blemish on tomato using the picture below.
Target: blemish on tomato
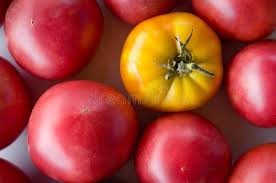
(84, 110)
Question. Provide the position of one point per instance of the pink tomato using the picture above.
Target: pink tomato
(14, 104)
(251, 83)
(81, 131)
(243, 20)
(53, 39)
(180, 148)
(256, 166)
(9, 173)
(136, 11)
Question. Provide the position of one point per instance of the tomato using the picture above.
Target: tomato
(136, 11)
(14, 104)
(3, 8)
(180, 148)
(256, 166)
(81, 131)
(172, 62)
(9, 173)
(242, 20)
(53, 39)
(250, 83)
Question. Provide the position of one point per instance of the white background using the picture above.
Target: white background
(105, 68)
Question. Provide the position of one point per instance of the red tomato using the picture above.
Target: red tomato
(243, 20)
(256, 166)
(53, 39)
(251, 83)
(14, 104)
(136, 11)
(81, 131)
(9, 173)
(182, 148)
(3, 8)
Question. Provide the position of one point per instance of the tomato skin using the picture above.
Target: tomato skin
(81, 131)
(53, 39)
(9, 173)
(151, 44)
(136, 11)
(242, 20)
(249, 83)
(182, 147)
(3, 8)
(256, 166)
(14, 104)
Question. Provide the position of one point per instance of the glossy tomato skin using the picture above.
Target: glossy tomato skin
(151, 44)
(14, 104)
(55, 38)
(81, 131)
(182, 147)
(9, 173)
(256, 166)
(136, 11)
(250, 83)
(242, 20)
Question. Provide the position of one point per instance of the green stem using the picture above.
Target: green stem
(183, 63)
(195, 67)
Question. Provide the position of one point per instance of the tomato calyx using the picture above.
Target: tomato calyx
(183, 64)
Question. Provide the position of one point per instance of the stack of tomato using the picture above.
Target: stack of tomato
(83, 131)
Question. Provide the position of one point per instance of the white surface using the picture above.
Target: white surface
(238, 133)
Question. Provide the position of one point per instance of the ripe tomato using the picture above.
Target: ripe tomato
(182, 148)
(3, 8)
(81, 131)
(136, 11)
(53, 39)
(172, 62)
(256, 166)
(14, 104)
(243, 20)
(250, 83)
(11, 174)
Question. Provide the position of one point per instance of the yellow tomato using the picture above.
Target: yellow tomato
(172, 62)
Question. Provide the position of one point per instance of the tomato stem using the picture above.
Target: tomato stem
(183, 63)
(195, 67)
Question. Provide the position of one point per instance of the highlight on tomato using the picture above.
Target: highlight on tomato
(172, 63)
